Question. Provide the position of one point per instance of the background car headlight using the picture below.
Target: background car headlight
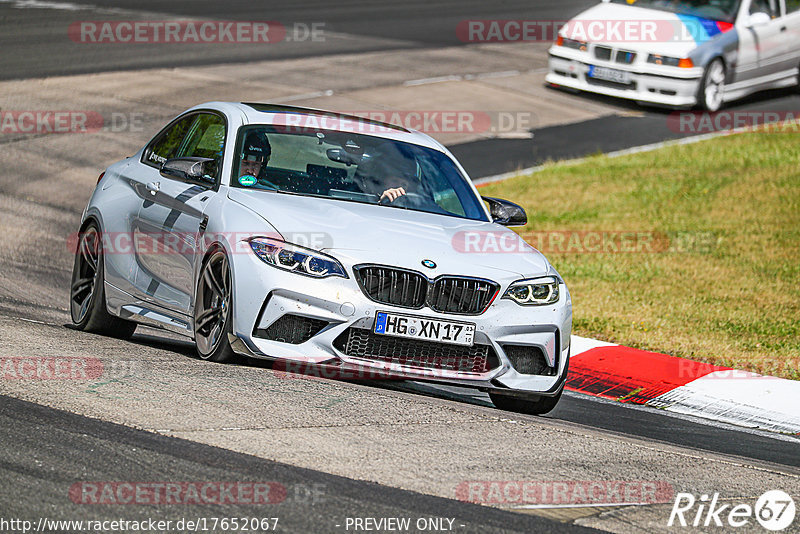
(296, 259)
(685, 63)
(535, 292)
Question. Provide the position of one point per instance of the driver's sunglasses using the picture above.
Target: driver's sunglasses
(255, 159)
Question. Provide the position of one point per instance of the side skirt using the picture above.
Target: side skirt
(126, 306)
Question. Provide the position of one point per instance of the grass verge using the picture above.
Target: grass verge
(689, 250)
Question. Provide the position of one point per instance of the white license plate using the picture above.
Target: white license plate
(610, 75)
(410, 326)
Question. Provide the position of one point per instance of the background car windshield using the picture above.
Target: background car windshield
(722, 10)
(352, 167)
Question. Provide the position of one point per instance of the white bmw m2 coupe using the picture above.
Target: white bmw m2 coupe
(312, 237)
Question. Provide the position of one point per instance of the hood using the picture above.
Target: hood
(365, 233)
(648, 30)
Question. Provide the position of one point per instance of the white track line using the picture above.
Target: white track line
(635, 150)
(303, 96)
(737, 397)
(437, 79)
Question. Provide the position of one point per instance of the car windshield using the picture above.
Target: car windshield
(352, 167)
(721, 10)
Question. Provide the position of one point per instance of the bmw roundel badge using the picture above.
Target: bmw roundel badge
(429, 264)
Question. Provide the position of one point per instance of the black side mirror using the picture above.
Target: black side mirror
(194, 170)
(505, 212)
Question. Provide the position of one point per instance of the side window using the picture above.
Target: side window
(770, 7)
(443, 193)
(792, 6)
(166, 145)
(206, 139)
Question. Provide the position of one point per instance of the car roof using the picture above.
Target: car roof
(266, 113)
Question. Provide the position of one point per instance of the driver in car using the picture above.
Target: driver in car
(395, 170)
(256, 152)
(393, 193)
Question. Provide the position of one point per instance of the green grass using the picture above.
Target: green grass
(724, 286)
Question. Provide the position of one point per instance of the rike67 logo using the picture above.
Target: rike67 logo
(774, 510)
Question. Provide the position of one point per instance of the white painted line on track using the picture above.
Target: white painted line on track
(579, 344)
(437, 79)
(38, 4)
(35, 322)
(502, 74)
(699, 419)
(69, 6)
(635, 150)
(302, 96)
(470, 77)
(592, 505)
(738, 397)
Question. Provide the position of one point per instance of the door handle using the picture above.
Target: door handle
(153, 187)
(783, 28)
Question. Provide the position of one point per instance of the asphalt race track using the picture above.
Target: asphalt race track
(369, 449)
(70, 445)
(35, 45)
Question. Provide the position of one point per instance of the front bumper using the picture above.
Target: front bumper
(654, 84)
(263, 295)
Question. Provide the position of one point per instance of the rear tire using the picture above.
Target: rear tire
(522, 405)
(213, 309)
(87, 292)
(712, 87)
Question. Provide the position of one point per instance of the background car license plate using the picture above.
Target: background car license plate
(610, 75)
(392, 324)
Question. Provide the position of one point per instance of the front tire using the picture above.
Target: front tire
(87, 297)
(540, 406)
(710, 97)
(213, 309)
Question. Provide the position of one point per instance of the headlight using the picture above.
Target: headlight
(571, 43)
(685, 63)
(535, 292)
(296, 259)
